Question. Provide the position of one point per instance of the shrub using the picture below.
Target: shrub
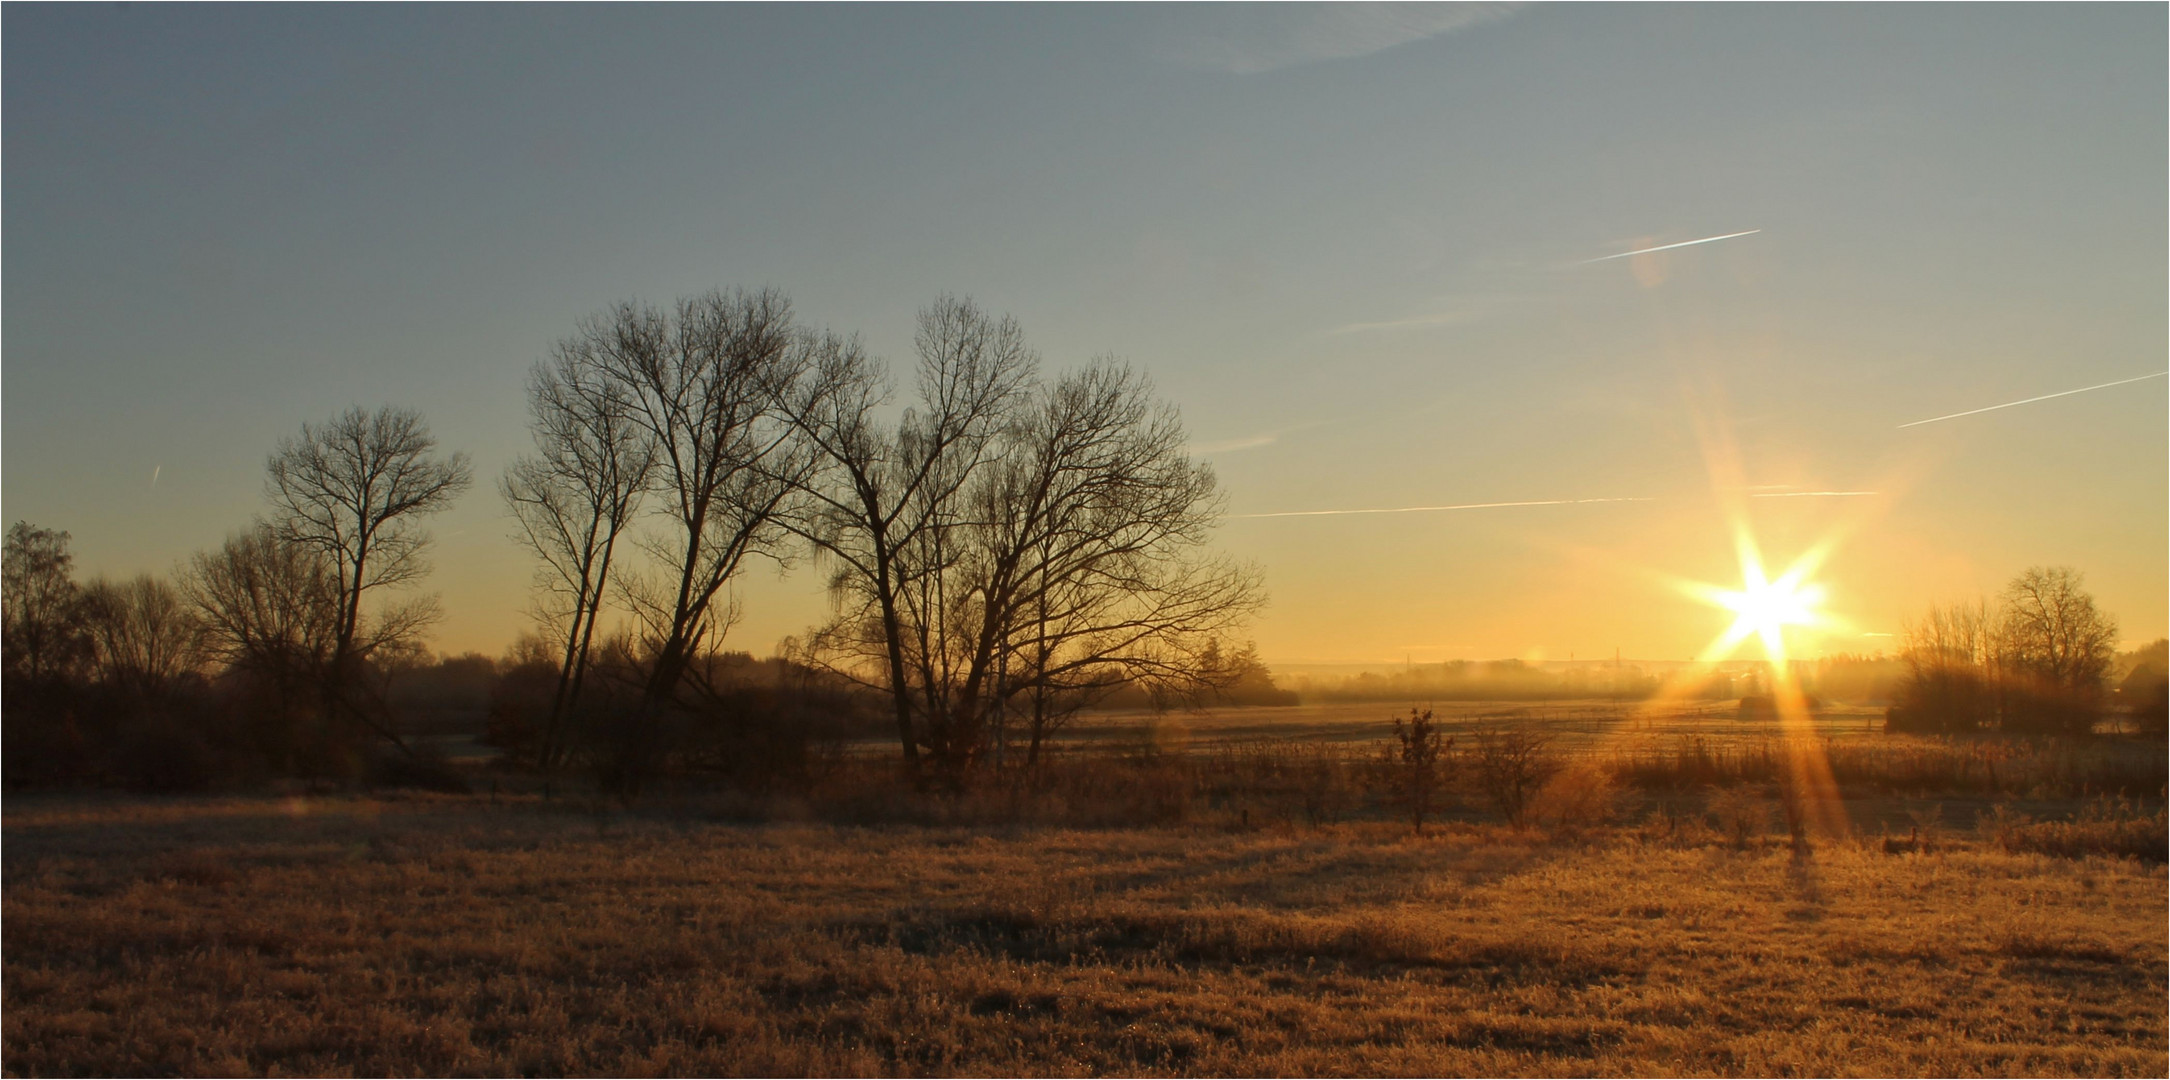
(1580, 797)
(1512, 764)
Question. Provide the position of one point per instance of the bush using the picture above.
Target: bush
(519, 709)
(421, 769)
(1512, 764)
(1584, 796)
(1942, 701)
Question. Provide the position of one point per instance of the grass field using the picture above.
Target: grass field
(471, 935)
(1582, 724)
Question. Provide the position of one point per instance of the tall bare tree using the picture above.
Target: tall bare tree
(1008, 543)
(878, 491)
(1088, 566)
(575, 496)
(698, 385)
(354, 490)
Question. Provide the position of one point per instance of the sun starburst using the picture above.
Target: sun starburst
(1764, 607)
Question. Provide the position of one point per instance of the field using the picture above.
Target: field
(1204, 934)
(1581, 724)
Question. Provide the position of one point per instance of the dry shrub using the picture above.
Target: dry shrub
(1693, 761)
(1742, 814)
(1583, 796)
(1511, 766)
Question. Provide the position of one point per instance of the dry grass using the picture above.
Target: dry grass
(1919, 766)
(440, 935)
(2116, 827)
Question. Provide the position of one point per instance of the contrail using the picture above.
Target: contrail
(1806, 494)
(1421, 509)
(1669, 247)
(154, 474)
(2032, 400)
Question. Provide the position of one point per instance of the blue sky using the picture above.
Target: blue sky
(1350, 243)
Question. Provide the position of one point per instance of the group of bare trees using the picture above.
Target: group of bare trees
(2035, 661)
(285, 613)
(1009, 547)
(1002, 549)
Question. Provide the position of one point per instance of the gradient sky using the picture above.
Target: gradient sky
(1351, 243)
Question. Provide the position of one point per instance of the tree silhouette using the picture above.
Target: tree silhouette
(146, 635)
(42, 636)
(574, 497)
(878, 494)
(2056, 648)
(1007, 543)
(353, 490)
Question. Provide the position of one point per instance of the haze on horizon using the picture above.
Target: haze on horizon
(1373, 254)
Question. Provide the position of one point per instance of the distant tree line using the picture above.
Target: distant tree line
(1004, 548)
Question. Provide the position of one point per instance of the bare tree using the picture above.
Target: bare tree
(1952, 662)
(146, 634)
(1091, 553)
(698, 385)
(1011, 546)
(353, 490)
(2052, 629)
(1422, 748)
(879, 494)
(270, 607)
(574, 497)
(2056, 648)
(1512, 764)
(41, 625)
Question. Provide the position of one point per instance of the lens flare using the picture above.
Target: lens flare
(1763, 607)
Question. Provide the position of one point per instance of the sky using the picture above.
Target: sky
(1363, 249)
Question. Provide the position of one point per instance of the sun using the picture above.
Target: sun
(1764, 607)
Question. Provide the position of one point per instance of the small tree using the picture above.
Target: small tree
(1424, 755)
(1512, 764)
